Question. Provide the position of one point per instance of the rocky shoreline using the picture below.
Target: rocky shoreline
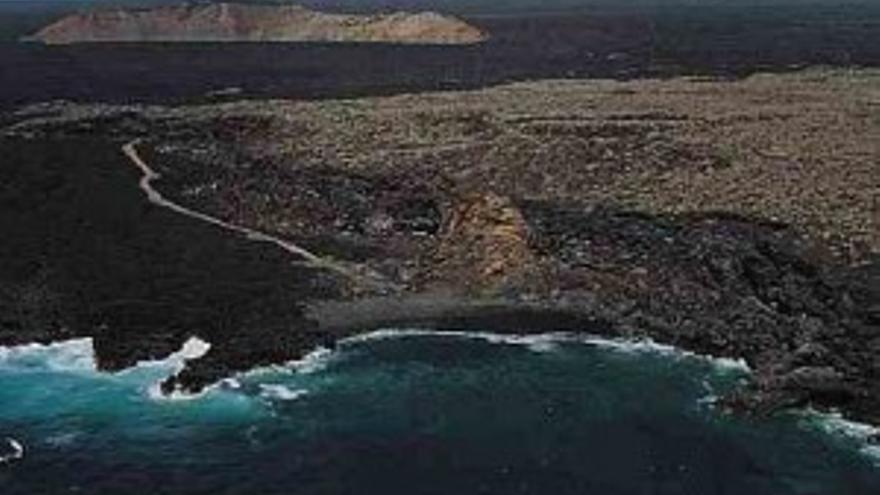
(459, 233)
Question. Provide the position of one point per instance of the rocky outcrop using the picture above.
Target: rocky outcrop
(226, 22)
(484, 244)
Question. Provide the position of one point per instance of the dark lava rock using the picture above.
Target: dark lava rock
(84, 254)
(724, 286)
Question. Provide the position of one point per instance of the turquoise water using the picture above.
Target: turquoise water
(414, 414)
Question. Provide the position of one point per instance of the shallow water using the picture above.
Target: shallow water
(417, 413)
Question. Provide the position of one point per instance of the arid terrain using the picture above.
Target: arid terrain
(228, 22)
(798, 149)
(734, 218)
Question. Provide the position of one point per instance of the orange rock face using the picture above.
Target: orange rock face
(485, 243)
(224, 22)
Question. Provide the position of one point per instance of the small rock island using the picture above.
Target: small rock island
(232, 22)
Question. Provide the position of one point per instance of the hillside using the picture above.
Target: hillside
(229, 22)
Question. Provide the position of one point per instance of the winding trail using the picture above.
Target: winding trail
(155, 197)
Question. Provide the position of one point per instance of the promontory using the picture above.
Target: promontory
(230, 22)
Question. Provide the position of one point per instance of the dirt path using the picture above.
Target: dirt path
(155, 197)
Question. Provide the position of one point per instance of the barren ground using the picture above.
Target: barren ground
(737, 219)
(800, 149)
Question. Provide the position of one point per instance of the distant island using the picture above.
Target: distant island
(232, 22)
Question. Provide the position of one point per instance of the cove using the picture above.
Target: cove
(417, 412)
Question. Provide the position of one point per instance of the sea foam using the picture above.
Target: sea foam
(538, 342)
(834, 424)
(313, 362)
(193, 348)
(281, 392)
(15, 451)
(69, 356)
(547, 342)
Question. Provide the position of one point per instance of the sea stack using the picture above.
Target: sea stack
(231, 22)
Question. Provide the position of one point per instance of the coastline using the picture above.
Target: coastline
(391, 389)
(461, 258)
(831, 423)
(621, 44)
(606, 250)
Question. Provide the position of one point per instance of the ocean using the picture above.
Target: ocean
(617, 42)
(393, 412)
(398, 412)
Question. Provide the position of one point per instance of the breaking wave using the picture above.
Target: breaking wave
(865, 436)
(12, 451)
(548, 342)
(193, 348)
(69, 356)
(313, 362)
(281, 392)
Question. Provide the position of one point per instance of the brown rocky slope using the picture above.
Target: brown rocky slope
(226, 22)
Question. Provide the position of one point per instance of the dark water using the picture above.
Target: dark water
(590, 42)
(418, 414)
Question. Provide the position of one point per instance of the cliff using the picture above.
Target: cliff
(228, 22)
